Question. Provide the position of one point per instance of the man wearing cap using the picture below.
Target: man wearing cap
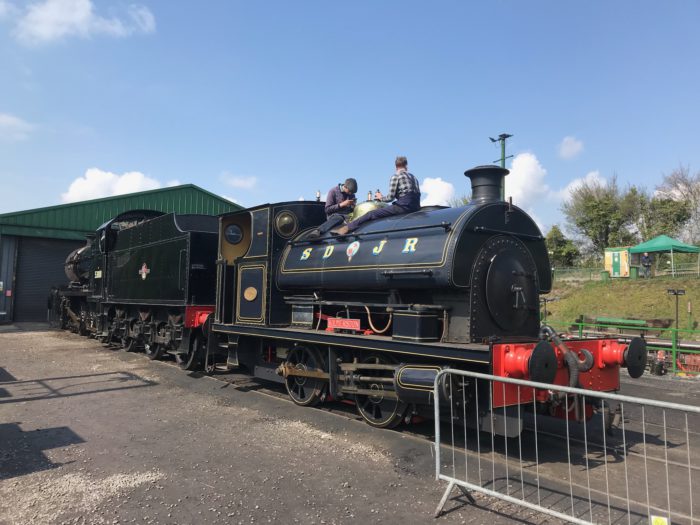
(340, 203)
(646, 265)
(404, 191)
(341, 199)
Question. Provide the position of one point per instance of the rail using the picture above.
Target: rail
(643, 471)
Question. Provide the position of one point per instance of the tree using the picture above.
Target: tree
(660, 215)
(562, 251)
(682, 187)
(456, 202)
(603, 214)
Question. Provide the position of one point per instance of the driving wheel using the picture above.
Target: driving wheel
(304, 390)
(382, 408)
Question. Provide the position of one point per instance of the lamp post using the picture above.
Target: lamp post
(677, 292)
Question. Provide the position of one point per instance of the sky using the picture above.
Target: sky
(265, 101)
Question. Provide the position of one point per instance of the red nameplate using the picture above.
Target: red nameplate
(342, 323)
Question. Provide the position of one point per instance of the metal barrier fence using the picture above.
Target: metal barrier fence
(573, 273)
(643, 471)
(576, 274)
(689, 269)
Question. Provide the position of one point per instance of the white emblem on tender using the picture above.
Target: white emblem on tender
(144, 271)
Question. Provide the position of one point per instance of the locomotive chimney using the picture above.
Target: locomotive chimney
(487, 183)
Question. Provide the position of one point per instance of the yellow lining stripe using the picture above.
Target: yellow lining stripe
(412, 386)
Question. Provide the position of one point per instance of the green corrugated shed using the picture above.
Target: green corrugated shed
(74, 220)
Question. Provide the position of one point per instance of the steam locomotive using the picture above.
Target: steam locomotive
(145, 280)
(370, 316)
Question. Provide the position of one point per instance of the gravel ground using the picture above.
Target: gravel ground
(92, 435)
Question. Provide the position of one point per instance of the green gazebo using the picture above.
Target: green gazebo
(666, 244)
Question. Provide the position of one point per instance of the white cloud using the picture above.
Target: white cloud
(526, 182)
(527, 185)
(51, 20)
(235, 201)
(172, 183)
(97, 183)
(590, 177)
(6, 9)
(240, 182)
(142, 18)
(436, 192)
(13, 128)
(570, 147)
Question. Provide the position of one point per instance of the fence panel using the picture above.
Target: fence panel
(576, 274)
(644, 469)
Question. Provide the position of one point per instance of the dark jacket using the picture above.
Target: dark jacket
(333, 200)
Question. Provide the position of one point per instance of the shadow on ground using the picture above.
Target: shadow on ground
(16, 391)
(23, 452)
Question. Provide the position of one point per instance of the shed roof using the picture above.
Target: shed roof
(74, 220)
(664, 243)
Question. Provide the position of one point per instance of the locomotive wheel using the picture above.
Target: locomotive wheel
(192, 360)
(109, 339)
(153, 351)
(305, 391)
(379, 410)
(129, 344)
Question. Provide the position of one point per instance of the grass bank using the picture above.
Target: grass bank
(638, 299)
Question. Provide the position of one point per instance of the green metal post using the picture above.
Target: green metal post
(503, 153)
(674, 350)
(580, 330)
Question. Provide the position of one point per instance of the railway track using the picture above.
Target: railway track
(554, 472)
(424, 430)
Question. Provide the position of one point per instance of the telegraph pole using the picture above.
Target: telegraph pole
(502, 139)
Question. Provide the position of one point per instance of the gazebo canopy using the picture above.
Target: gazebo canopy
(664, 243)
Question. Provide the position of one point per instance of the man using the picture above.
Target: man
(646, 264)
(341, 199)
(403, 190)
(340, 202)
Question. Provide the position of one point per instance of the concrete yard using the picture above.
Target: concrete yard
(94, 435)
(90, 434)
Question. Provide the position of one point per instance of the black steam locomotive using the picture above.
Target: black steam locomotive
(145, 280)
(372, 316)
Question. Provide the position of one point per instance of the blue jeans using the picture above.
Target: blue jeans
(331, 222)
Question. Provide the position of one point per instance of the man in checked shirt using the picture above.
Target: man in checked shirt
(403, 190)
